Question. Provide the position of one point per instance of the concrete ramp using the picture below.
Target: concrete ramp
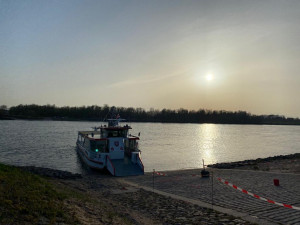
(125, 167)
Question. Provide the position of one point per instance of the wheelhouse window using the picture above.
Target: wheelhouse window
(116, 133)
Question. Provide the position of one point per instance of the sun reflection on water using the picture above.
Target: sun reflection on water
(206, 142)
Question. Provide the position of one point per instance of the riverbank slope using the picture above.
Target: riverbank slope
(32, 195)
(59, 197)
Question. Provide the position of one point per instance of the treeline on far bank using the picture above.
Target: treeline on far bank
(100, 113)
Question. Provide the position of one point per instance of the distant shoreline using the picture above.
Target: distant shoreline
(101, 113)
(279, 163)
(166, 122)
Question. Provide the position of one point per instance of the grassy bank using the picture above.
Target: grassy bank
(29, 199)
(26, 198)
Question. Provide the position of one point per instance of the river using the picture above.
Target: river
(164, 146)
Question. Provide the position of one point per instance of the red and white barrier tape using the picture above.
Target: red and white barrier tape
(256, 196)
(160, 174)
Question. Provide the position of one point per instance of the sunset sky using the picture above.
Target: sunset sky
(220, 55)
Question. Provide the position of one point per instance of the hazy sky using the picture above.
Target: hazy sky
(148, 53)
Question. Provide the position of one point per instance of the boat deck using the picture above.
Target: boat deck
(125, 167)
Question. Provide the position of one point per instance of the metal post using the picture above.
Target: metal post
(212, 190)
(153, 179)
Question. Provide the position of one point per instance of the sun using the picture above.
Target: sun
(209, 77)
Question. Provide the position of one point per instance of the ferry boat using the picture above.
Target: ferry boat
(111, 147)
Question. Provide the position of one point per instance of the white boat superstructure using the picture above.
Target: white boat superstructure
(111, 147)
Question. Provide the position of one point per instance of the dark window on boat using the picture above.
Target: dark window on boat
(117, 133)
(130, 144)
(101, 146)
(126, 143)
(98, 146)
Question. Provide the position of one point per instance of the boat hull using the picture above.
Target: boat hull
(117, 167)
(88, 161)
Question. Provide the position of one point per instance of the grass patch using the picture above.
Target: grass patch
(26, 198)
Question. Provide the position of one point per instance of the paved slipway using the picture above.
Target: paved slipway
(188, 185)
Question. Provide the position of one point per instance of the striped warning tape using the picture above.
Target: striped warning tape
(160, 174)
(256, 196)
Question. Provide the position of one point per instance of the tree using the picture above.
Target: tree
(3, 110)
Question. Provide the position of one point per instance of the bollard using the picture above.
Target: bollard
(276, 182)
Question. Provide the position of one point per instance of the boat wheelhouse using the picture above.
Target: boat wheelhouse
(111, 147)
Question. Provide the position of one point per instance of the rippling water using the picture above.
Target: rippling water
(164, 146)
